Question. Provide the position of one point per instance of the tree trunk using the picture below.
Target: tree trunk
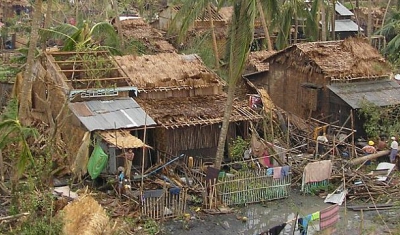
(214, 38)
(264, 25)
(296, 27)
(369, 26)
(114, 5)
(225, 126)
(384, 15)
(359, 160)
(26, 90)
(323, 21)
(47, 21)
(333, 19)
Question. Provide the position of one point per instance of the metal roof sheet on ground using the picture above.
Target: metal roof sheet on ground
(110, 115)
(342, 10)
(346, 25)
(380, 93)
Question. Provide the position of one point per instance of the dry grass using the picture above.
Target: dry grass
(86, 217)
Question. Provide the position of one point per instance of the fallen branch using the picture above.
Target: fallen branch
(14, 216)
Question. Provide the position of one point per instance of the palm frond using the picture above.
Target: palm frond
(59, 32)
(105, 32)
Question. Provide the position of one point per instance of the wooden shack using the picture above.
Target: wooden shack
(186, 100)
(85, 95)
(317, 79)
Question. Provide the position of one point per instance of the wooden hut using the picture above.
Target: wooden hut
(327, 79)
(186, 100)
(86, 96)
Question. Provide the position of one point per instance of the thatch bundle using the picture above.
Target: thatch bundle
(85, 216)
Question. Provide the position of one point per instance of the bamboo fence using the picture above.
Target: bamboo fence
(166, 205)
(245, 187)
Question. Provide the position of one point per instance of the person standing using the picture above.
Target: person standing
(394, 146)
(128, 162)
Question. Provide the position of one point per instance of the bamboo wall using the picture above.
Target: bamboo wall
(287, 90)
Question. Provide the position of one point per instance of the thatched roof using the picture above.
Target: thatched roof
(167, 71)
(198, 110)
(351, 58)
(16, 2)
(257, 58)
(138, 29)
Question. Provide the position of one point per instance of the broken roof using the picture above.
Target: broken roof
(342, 60)
(257, 58)
(167, 71)
(111, 114)
(380, 92)
(137, 28)
(178, 112)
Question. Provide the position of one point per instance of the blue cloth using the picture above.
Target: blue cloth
(121, 177)
(303, 224)
(393, 153)
(285, 171)
(270, 171)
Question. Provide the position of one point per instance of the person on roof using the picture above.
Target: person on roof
(394, 146)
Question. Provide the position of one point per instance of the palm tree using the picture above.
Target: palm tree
(239, 41)
(291, 9)
(392, 33)
(26, 89)
(188, 14)
(101, 35)
(272, 8)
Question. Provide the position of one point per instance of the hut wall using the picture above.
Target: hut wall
(297, 86)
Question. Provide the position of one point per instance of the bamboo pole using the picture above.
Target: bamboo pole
(144, 150)
(1, 167)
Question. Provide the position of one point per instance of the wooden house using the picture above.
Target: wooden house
(11, 8)
(187, 102)
(344, 25)
(327, 80)
(86, 96)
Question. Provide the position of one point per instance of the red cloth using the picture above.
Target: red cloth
(329, 217)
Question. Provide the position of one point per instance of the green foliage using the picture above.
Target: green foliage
(151, 227)
(237, 148)
(378, 120)
(316, 189)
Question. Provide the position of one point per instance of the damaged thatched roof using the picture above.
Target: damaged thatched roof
(167, 71)
(348, 59)
(137, 28)
(256, 60)
(197, 110)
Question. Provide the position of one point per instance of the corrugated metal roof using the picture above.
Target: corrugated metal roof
(342, 10)
(110, 115)
(380, 93)
(346, 25)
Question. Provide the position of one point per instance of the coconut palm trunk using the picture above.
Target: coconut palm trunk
(114, 5)
(214, 38)
(264, 25)
(239, 42)
(26, 90)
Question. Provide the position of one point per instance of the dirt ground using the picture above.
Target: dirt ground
(261, 217)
